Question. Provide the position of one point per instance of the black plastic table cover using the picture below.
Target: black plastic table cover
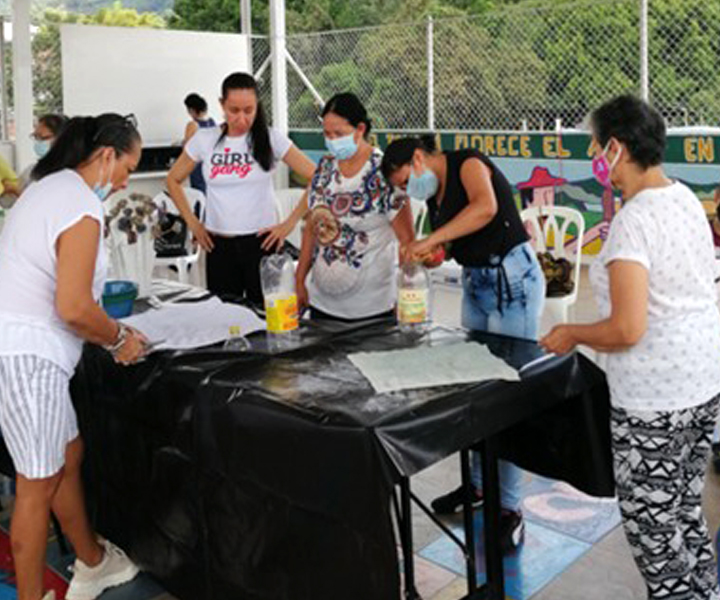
(268, 477)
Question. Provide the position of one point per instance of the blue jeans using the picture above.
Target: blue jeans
(506, 299)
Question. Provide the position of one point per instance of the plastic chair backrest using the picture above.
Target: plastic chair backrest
(195, 198)
(420, 214)
(558, 230)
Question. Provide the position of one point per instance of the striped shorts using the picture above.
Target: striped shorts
(37, 418)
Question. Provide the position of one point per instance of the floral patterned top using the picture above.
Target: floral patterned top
(355, 265)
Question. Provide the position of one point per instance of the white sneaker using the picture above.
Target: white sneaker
(114, 569)
(49, 596)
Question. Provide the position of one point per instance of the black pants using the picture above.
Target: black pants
(233, 268)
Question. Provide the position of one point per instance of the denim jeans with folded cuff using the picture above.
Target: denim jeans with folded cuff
(505, 298)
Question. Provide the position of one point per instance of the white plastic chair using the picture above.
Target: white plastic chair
(185, 265)
(549, 229)
(286, 200)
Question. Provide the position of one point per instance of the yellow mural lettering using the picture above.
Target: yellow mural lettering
(476, 142)
(461, 141)
(690, 145)
(706, 150)
(512, 145)
(549, 146)
(591, 148)
(500, 145)
(489, 145)
(563, 152)
(525, 151)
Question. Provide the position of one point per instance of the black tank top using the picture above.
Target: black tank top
(484, 247)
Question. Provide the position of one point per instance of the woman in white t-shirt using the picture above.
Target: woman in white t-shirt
(349, 247)
(52, 271)
(238, 159)
(660, 328)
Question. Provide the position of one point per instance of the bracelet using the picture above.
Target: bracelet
(123, 333)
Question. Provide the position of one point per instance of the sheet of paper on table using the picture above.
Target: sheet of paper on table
(189, 325)
(429, 366)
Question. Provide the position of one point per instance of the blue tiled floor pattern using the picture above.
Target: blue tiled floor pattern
(561, 525)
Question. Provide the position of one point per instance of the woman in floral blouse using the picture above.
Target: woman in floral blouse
(349, 247)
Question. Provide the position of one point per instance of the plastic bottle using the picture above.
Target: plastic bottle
(414, 299)
(277, 274)
(236, 340)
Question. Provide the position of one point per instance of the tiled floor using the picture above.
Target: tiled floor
(601, 565)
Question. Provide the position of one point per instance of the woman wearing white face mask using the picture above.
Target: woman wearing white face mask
(349, 246)
(472, 211)
(52, 270)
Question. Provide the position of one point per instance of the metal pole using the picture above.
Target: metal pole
(4, 104)
(279, 78)
(23, 90)
(431, 73)
(644, 62)
(308, 84)
(246, 29)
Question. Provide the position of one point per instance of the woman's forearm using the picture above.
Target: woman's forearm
(177, 195)
(605, 336)
(89, 321)
(307, 248)
(469, 220)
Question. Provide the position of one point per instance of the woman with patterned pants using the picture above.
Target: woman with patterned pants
(660, 329)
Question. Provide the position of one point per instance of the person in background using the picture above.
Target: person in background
(52, 272)
(238, 160)
(9, 184)
(660, 329)
(47, 128)
(472, 209)
(197, 109)
(349, 247)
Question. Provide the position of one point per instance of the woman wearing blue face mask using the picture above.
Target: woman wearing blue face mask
(52, 270)
(47, 129)
(472, 212)
(347, 267)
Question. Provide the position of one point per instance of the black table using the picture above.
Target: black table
(270, 476)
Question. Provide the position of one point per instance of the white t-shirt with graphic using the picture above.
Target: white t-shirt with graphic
(354, 270)
(29, 322)
(676, 364)
(240, 198)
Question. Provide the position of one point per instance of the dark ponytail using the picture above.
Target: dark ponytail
(82, 136)
(259, 140)
(349, 107)
(400, 152)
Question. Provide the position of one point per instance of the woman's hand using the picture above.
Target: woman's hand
(275, 236)
(560, 340)
(133, 349)
(419, 250)
(201, 235)
(303, 299)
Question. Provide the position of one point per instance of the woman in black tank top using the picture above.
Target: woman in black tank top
(473, 215)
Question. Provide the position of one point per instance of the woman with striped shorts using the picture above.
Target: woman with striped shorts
(52, 270)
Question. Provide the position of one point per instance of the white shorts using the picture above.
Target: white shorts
(37, 418)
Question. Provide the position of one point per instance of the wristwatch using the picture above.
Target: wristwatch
(123, 333)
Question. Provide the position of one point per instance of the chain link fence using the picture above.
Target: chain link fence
(522, 67)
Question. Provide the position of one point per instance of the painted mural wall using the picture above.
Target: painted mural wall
(548, 169)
